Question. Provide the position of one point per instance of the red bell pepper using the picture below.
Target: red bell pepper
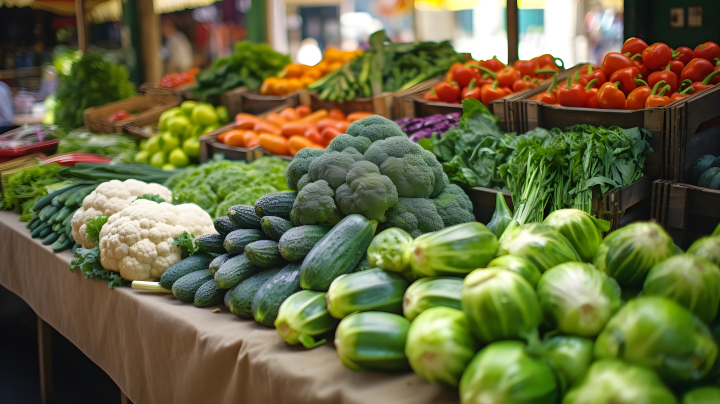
(70, 159)
(636, 99)
(656, 56)
(572, 95)
(430, 95)
(525, 83)
(708, 51)
(544, 60)
(614, 61)
(633, 46)
(593, 72)
(610, 97)
(627, 77)
(526, 67)
(637, 60)
(591, 95)
(507, 76)
(716, 79)
(471, 91)
(706, 83)
(547, 97)
(696, 70)
(658, 99)
(491, 64)
(547, 71)
(447, 92)
(491, 92)
(685, 55)
(676, 67)
(450, 75)
(667, 76)
(682, 94)
(463, 75)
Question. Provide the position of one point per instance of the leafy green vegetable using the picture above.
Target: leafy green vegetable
(118, 146)
(186, 242)
(88, 260)
(22, 188)
(150, 197)
(94, 226)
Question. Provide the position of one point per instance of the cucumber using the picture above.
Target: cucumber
(62, 245)
(63, 197)
(47, 199)
(184, 289)
(76, 199)
(699, 166)
(69, 217)
(716, 162)
(275, 204)
(363, 265)
(48, 212)
(240, 301)
(60, 215)
(715, 181)
(45, 232)
(209, 294)
(224, 225)
(51, 238)
(57, 226)
(34, 223)
(218, 261)
(234, 271)
(212, 243)
(337, 253)
(56, 201)
(226, 299)
(36, 233)
(275, 226)
(706, 178)
(297, 242)
(272, 294)
(244, 217)
(197, 262)
(236, 241)
(264, 253)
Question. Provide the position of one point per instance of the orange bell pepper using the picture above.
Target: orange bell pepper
(610, 97)
(637, 97)
(658, 99)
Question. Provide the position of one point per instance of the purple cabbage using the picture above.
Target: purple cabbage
(421, 128)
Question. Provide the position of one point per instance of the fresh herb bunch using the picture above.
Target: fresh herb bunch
(22, 188)
(88, 260)
(92, 82)
(387, 67)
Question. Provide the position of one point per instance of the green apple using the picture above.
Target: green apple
(178, 158)
(154, 144)
(142, 157)
(170, 142)
(204, 115)
(177, 124)
(210, 128)
(190, 131)
(143, 144)
(168, 167)
(223, 114)
(158, 159)
(192, 147)
(188, 106)
(162, 121)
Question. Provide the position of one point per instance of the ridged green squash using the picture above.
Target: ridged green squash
(426, 293)
(373, 340)
(197, 262)
(371, 290)
(297, 242)
(244, 217)
(240, 301)
(272, 294)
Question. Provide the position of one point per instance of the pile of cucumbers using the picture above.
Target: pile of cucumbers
(53, 213)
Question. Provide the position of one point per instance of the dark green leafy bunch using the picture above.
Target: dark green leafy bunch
(88, 260)
(248, 66)
(94, 226)
(21, 189)
(387, 67)
(186, 242)
(92, 82)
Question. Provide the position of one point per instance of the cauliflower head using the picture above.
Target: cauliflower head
(138, 240)
(108, 199)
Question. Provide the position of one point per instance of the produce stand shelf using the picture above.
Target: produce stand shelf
(687, 212)
(159, 350)
(252, 102)
(149, 108)
(209, 146)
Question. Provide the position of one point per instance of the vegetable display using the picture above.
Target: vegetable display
(295, 77)
(422, 128)
(119, 147)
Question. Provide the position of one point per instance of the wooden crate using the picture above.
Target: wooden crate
(232, 100)
(149, 108)
(380, 105)
(687, 212)
(209, 146)
(252, 102)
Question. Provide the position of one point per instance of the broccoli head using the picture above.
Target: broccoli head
(375, 128)
(343, 141)
(441, 179)
(315, 205)
(366, 192)
(304, 180)
(454, 206)
(333, 166)
(300, 165)
(415, 215)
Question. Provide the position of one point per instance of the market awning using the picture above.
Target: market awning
(103, 10)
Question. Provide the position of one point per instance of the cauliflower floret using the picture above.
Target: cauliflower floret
(138, 240)
(108, 199)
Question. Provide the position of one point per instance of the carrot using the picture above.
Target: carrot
(275, 118)
(245, 121)
(289, 114)
(302, 110)
(316, 116)
(296, 143)
(343, 126)
(295, 128)
(356, 116)
(274, 144)
(327, 123)
(328, 134)
(264, 126)
(251, 139)
(221, 137)
(314, 136)
(336, 113)
(235, 138)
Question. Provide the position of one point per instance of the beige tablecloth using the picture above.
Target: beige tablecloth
(159, 350)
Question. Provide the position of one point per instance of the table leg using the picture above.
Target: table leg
(124, 399)
(45, 355)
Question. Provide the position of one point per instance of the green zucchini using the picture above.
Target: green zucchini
(47, 199)
(371, 290)
(45, 231)
(60, 215)
(363, 265)
(77, 198)
(240, 301)
(275, 226)
(34, 223)
(197, 262)
(264, 253)
(224, 225)
(69, 217)
(297, 242)
(62, 245)
(209, 294)
(63, 197)
(234, 271)
(36, 233)
(47, 212)
(275, 204)
(57, 226)
(338, 252)
(272, 294)
(218, 261)
(212, 243)
(51, 238)
(708, 176)
(236, 241)
(244, 217)
(56, 201)
(699, 166)
(184, 289)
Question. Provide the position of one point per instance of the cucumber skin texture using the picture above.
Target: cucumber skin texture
(197, 262)
(234, 271)
(209, 294)
(244, 217)
(275, 226)
(236, 241)
(184, 289)
(297, 242)
(218, 261)
(275, 204)
(224, 225)
(240, 302)
(212, 243)
(370, 290)
(226, 299)
(337, 253)
(272, 294)
(264, 253)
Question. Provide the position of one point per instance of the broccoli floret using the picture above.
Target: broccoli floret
(343, 141)
(375, 128)
(304, 180)
(415, 215)
(300, 165)
(454, 206)
(441, 179)
(366, 192)
(315, 205)
(333, 166)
